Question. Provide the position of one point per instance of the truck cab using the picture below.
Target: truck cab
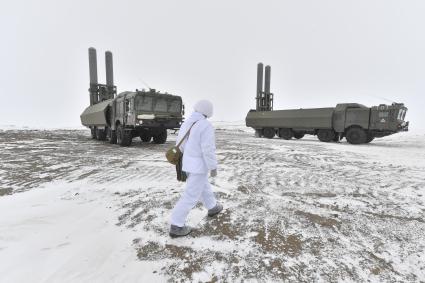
(388, 119)
(360, 124)
(145, 114)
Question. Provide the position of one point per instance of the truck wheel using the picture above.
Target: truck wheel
(369, 138)
(93, 132)
(258, 133)
(145, 137)
(119, 134)
(113, 137)
(269, 133)
(161, 137)
(325, 135)
(127, 138)
(298, 135)
(356, 136)
(124, 137)
(286, 134)
(100, 134)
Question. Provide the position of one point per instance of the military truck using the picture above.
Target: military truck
(357, 123)
(119, 118)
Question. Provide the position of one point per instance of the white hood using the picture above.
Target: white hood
(204, 107)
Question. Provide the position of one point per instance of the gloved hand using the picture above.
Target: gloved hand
(213, 173)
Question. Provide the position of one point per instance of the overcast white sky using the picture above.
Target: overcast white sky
(321, 52)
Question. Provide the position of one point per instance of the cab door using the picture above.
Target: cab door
(356, 116)
(130, 114)
(338, 119)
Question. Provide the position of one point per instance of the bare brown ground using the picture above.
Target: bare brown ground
(295, 211)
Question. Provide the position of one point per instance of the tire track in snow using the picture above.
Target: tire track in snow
(295, 210)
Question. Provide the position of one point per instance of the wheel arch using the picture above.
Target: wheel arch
(354, 126)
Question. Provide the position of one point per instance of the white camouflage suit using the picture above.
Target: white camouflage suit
(199, 159)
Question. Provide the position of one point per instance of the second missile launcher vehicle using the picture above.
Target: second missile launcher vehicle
(356, 122)
(120, 118)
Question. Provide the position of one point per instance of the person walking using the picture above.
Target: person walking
(199, 159)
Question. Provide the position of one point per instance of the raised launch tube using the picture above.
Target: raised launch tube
(259, 85)
(267, 95)
(109, 69)
(93, 75)
(267, 79)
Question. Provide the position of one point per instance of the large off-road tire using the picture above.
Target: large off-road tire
(100, 134)
(145, 137)
(113, 137)
(93, 132)
(258, 133)
(326, 135)
(124, 137)
(161, 137)
(336, 138)
(269, 133)
(298, 135)
(356, 135)
(119, 134)
(286, 134)
(369, 138)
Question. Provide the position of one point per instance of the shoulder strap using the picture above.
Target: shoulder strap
(186, 135)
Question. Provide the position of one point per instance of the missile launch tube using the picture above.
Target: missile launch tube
(259, 84)
(93, 65)
(109, 69)
(267, 95)
(93, 75)
(267, 79)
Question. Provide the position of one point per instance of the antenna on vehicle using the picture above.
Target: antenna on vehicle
(383, 98)
(143, 82)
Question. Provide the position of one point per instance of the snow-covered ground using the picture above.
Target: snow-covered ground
(77, 210)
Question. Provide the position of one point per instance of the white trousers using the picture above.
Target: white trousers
(197, 189)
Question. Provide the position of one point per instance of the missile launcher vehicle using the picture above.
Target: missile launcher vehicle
(357, 123)
(120, 118)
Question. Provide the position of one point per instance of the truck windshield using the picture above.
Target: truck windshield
(175, 106)
(143, 103)
(161, 105)
(401, 114)
(157, 104)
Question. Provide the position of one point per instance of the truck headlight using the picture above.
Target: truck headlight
(146, 116)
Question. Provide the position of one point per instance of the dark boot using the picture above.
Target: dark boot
(215, 210)
(176, 231)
